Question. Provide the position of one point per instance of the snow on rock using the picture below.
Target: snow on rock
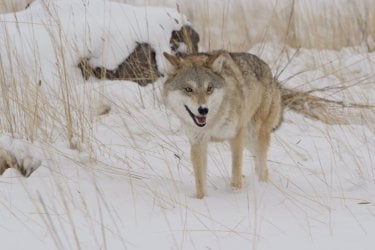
(132, 187)
(19, 154)
(41, 46)
(47, 39)
(135, 182)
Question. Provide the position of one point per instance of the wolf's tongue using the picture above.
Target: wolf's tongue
(200, 119)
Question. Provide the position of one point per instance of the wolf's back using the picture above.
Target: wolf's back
(311, 106)
(252, 64)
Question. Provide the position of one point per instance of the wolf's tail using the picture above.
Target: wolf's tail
(325, 110)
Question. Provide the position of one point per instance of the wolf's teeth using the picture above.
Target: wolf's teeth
(200, 119)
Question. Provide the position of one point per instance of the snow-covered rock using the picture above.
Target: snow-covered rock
(132, 187)
(19, 154)
(47, 40)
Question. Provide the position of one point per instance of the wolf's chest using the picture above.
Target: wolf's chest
(224, 130)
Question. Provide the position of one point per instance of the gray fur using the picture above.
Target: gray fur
(244, 107)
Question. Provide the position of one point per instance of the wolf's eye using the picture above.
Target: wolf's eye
(188, 90)
(209, 89)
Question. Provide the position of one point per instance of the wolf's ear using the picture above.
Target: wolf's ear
(175, 61)
(216, 61)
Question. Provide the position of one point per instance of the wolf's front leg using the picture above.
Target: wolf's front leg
(237, 147)
(199, 161)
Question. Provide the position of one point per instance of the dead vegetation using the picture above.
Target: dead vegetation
(327, 111)
(27, 115)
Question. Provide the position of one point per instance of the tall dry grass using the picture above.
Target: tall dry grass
(238, 25)
(233, 25)
(7, 6)
(38, 104)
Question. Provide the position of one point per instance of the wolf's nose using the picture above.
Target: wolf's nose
(203, 110)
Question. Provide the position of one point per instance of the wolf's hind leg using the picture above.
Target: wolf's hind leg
(262, 144)
(237, 147)
(198, 155)
(259, 143)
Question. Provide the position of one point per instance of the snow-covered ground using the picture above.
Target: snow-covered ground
(129, 185)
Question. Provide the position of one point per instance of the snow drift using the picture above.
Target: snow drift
(123, 180)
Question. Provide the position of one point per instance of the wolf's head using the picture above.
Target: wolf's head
(194, 89)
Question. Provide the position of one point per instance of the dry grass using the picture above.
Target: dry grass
(28, 111)
(238, 25)
(7, 6)
(327, 111)
(233, 25)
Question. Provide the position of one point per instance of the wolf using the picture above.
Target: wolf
(224, 96)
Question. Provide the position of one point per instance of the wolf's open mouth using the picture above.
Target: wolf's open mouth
(198, 120)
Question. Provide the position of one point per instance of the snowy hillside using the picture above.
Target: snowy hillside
(123, 180)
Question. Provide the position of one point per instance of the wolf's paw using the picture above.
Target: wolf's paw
(200, 195)
(263, 175)
(236, 185)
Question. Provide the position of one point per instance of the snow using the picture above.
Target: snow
(132, 186)
(102, 31)
(26, 154)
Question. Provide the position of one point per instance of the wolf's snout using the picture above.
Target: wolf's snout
(203, 110)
